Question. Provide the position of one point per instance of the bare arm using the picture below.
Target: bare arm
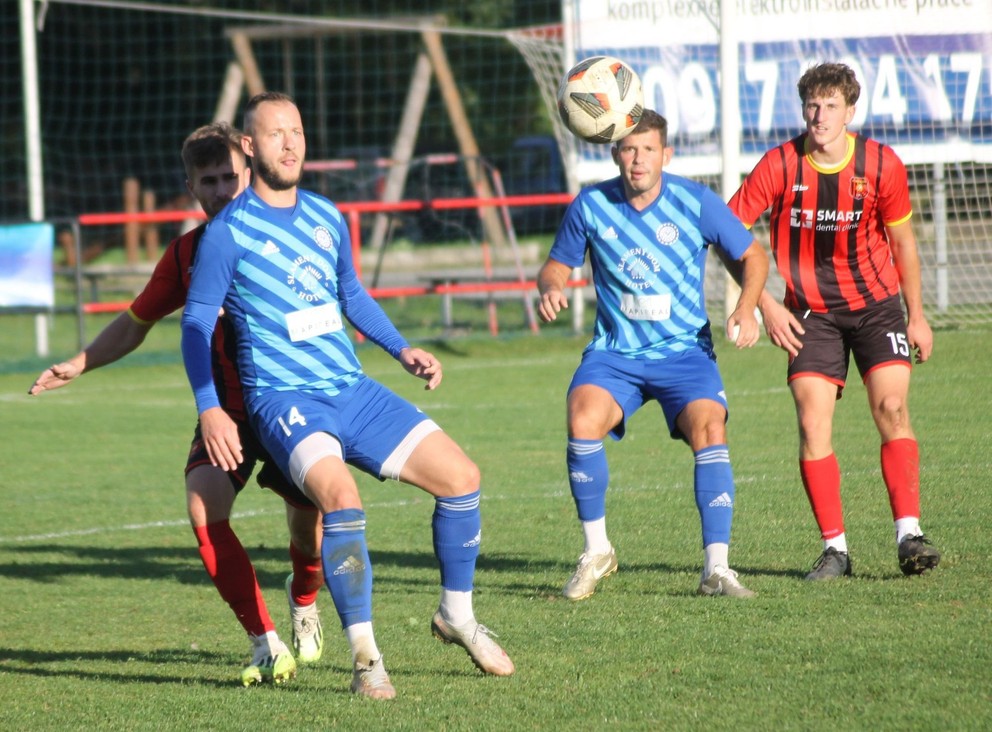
(782, 326)
(752, 275)
(902, 241)
(551, 285)
(118, 339)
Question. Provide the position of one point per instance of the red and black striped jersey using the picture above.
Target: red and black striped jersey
(828, 224)
(166, 292)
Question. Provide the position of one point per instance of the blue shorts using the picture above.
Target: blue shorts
(369, 421)
(673, 382)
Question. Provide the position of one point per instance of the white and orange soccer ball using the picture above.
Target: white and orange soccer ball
(600, 99)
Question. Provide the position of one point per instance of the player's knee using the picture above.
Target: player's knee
(465, 478)
(708, 434)
(892, 410)
(210, 495)
(458, 478)
(584, 425)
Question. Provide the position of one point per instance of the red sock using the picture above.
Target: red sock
(228, 565)
(308, 576)
(821, 479)
(901, 473)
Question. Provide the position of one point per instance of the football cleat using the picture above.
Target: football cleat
(591, 569)
(478, 641)
(371, 680)
(269, 663)
(308, 636)
(830, 565)
(917, 555)
(723, 581)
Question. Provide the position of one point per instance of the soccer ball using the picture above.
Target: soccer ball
(600, 99)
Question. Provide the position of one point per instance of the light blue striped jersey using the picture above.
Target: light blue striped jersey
(286, 279)
(648, 266)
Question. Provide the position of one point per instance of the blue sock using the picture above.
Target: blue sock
(347, 569)
(457, 526)
(714, 484)
(588, 477)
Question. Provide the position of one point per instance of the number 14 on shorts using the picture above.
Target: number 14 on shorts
(293, 418)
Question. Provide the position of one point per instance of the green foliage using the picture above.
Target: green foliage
(109, 622)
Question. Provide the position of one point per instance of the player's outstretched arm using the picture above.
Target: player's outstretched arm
(118, 339)
(551, 285)
(423, 365)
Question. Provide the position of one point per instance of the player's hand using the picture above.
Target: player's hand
(552, 302)
(423, 365)
(743, 328)
(221, 438)
(920, 338)
(55, 376)
(783, 327)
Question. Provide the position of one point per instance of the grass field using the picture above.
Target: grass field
(108, 621)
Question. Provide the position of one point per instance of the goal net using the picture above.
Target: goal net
(121, 83)
(926, 75)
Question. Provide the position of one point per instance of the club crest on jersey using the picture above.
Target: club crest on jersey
(667, 234)
(860, 189)
(306, 279)
(323, 238)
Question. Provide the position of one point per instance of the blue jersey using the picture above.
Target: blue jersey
(648, 266)
(286, 279)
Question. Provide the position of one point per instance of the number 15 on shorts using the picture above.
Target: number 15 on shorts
(900, 345)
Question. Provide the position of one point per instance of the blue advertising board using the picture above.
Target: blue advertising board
(925, 66)
(26, 269)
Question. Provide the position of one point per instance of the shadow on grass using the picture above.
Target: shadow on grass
(183, 564)
(394, 570)
(84, 664)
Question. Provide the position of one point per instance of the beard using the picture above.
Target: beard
(274, 178)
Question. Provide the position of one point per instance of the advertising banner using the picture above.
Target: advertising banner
(26, 274)
(925, 66)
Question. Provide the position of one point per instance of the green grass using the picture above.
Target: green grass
(108, 622)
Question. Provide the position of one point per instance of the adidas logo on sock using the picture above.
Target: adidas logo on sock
(579, 477)
(474, 541)
(351, 565)
(722, 501)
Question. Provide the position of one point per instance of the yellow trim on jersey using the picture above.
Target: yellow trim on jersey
(138, 320)
(833, 168)
(903, 220)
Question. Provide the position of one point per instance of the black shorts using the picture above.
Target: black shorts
(252, 451)
(875, 335)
